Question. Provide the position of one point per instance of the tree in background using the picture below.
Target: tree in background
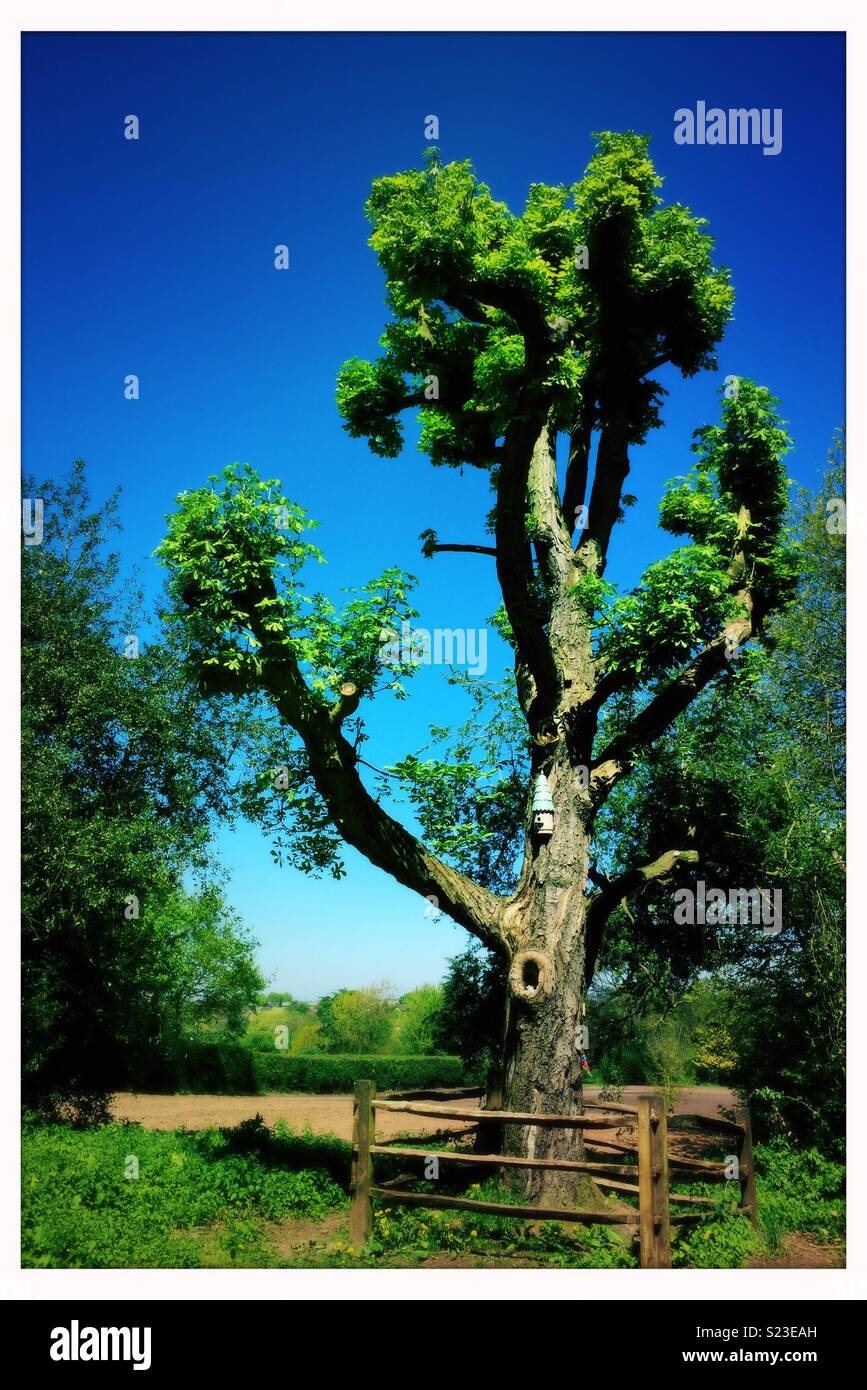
(278, 1009)
(357, 1020)
(510, 333)
(209, 971)
(416, 1022)
(281, 999)
(366, 1021)
(470, 1021)
(755, 774)
(123, 770)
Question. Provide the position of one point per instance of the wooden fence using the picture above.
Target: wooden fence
(656, 1170)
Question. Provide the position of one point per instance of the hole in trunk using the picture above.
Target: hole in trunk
(531, 976)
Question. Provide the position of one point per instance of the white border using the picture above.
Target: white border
(384, 15)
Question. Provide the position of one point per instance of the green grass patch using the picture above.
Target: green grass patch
(796, 1189)
(121, 1196)
(198, 1199)
(421, 1233)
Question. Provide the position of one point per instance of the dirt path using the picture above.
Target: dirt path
(290, 1237)
(333, 1114)
(800, 1251)
(689, 1100)
(323, 1114)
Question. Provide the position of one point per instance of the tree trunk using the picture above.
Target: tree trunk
(542, 1070)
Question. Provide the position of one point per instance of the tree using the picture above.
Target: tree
(470, 1022)
(281, 998)
(123, 768)
(755, 774)
(417, 1020)
(357, 1020)
(208, 971)
(509, 332)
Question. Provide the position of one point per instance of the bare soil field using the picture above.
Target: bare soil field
(333, 1114)
(323, 1114)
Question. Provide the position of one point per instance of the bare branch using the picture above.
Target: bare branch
(515, 568)
(575, 491)
(612, 467)
(438, 546)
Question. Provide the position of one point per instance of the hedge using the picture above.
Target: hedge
(221, 1067)
(229, 1068)
(322, 1075)
(214, 1068)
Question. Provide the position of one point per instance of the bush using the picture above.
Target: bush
(230, 1068)
(211, 1068)
(324, 1075)
(799, 1190)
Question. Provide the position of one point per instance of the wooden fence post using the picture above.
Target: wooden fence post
(361, 1210)
(746, 1165)
(489, 1135)
(662, 1211)
(653, 1212)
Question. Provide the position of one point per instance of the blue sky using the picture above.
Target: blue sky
(155, 257)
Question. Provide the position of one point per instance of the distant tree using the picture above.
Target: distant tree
(291, 1019)
(123, 770)
(416, 1021)
(470, 1020)
(357, 1020)
(276, 998)
(207, 970)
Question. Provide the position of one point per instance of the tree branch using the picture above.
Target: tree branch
(361, 821)
(575, 490)
(613, 891)
(612, 467)
(515, 569)
(617, 759)
(347, 704)
(522, 307)
(438, 546)
(661, 711)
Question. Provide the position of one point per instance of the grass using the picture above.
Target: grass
(121, 1196)
(125, 1197)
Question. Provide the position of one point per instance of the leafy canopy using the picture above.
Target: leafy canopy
(462, 270)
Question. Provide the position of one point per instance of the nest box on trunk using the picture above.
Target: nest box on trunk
(543, 809)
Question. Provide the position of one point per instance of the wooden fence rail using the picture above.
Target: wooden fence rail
(654, 1170)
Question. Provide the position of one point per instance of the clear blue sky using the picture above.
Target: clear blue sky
(156, 257)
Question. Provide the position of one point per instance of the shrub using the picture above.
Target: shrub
(799, 1190)
(326, 1075)
(210, 1067)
